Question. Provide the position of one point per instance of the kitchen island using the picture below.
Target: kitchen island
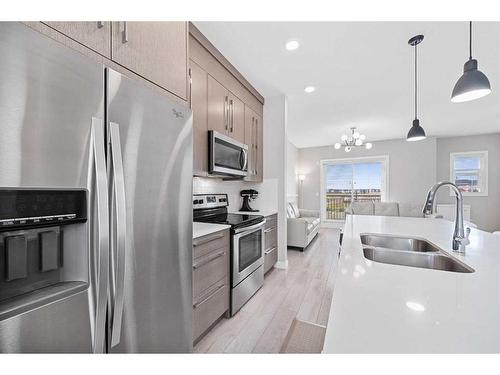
(385, 308)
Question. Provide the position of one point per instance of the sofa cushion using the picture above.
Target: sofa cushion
(362, 208)
(386, 208)
(312, 223)
(295, 209)
(290, 213)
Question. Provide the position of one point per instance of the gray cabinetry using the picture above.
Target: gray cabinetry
(271, 242)
(210, 280)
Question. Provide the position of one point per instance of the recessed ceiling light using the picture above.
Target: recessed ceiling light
(310, 89)
(415, 306)
(292, 45)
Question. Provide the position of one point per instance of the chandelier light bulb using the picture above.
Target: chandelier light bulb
(358, 142)
(362, 137)
(337, 146)
(344, 137)
(368, 146)
(347, 149)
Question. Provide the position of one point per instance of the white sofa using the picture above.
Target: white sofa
(302, 226)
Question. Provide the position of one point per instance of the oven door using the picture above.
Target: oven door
(248, 251)
(227, 156)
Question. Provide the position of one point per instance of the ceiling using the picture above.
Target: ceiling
(363, 74)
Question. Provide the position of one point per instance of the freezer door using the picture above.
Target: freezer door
(156, 146)
(49, 96)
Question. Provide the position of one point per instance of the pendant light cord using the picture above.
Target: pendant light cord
(470, 40)
(416, 82)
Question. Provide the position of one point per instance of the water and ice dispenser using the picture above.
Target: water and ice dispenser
(42, 244)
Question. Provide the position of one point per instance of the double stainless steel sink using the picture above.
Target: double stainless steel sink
(412, 252)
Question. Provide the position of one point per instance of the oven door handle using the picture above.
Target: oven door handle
(250, 228)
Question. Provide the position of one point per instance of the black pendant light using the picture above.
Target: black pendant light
(473, 84)
(416, 132)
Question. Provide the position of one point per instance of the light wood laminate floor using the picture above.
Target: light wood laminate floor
(303, 291)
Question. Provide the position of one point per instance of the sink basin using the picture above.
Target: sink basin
(398, 243)
(431, 260)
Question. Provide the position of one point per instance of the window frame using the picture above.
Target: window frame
(384, 159)
(483, 172)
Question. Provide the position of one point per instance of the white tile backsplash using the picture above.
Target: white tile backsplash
(268, 191)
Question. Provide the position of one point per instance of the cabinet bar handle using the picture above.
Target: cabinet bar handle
(226, 113)
(190, 88)
(268, 230)
(231, 108)
(208, 260)
(270, 250)
(125, 33)
(208, 297)
(208, 239)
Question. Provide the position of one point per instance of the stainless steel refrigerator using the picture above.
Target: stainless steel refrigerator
(117, 276)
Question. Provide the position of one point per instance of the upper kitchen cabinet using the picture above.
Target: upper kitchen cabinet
(218, 106)
(254, 139)
(199, 95)
(236, 118)
(94, 35)
(226, 113)
(156, 51)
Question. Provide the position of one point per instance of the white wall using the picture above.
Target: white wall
(268, 191)
(485, 211)
(275, 163)
(292, 172)
(412, 168)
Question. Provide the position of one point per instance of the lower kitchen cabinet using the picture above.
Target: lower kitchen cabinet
(210, 281)
(270, 242)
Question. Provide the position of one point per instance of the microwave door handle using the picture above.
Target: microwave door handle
(101, 253)
(244, 156)
(118, 265)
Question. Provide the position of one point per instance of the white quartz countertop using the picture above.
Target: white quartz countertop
(452, 312)
(260, 212)
(202, 229)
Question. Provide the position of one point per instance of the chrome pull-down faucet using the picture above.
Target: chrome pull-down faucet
(460, 236)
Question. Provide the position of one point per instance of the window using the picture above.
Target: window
(346, 180)
(469, 171)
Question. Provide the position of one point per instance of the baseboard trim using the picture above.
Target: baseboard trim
(281, 265)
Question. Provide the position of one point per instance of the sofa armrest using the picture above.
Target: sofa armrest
(309, 213)
(296, 225)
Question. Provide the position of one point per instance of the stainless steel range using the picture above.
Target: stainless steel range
(247, 245)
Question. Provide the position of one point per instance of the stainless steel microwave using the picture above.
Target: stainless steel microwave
(227, 156)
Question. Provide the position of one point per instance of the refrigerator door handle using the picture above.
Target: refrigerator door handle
(102, 253)
(118, 265)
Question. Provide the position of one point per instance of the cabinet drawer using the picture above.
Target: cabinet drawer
(206, 244)
(210, 308)
(270, 258)
(209, 269)
(271, 221)
(270, 238)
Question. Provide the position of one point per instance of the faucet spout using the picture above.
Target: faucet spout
(460, 236)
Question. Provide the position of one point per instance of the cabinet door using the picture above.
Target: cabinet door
(250, 141)
(94, 35)
(156, 51)
(237, 118)
(218, 106)
(259, 149)
(199, 94)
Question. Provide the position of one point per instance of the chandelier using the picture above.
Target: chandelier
(353, 140)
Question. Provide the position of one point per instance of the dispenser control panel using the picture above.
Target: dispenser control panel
(41, 207)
